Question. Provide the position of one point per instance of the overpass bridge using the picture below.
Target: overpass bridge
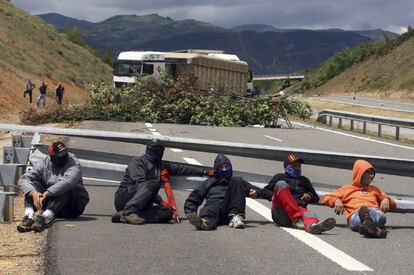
(278, 77)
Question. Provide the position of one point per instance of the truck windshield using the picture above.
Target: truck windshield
(127, 68)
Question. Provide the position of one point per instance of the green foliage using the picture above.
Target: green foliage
(76, 37)
(107, 54)
(178, 101)
(342, 60)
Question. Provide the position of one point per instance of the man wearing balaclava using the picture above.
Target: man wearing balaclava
(137, 200)
(225, 198)
(52, 189)
(363, 202)
(290, 193)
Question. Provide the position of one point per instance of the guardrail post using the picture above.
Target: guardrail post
(364, 128)
(340, 122)
(352, 124)
(9, 177)
(330, 120)
(397, 133)
(379, 129)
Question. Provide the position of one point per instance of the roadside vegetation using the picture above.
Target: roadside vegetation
(170, 101)
(344, 59)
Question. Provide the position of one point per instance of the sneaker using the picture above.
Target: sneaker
(237, 222)
(40, 224)
(298, 224)
(322, 226)
(363, 214)
(131, 218)
(25, 225)
(369, 230)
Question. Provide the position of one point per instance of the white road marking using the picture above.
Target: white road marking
(176, 150)
(152, 130)
(149, 125)
(273, 138)
(156, 134)
(364, 105)
(349, 135)
(313, 241)
(192, 161)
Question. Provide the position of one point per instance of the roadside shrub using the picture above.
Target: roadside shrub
(180, 101)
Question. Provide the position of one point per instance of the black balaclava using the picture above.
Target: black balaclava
(155, 151)
(58, 154)
(220, 174)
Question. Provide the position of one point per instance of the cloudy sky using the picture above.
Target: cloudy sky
(311, 14)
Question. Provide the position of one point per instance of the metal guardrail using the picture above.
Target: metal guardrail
(395, 122)
(109, 173)
(384, 165)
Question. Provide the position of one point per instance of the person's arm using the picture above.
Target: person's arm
(67, 181)
(137, 170)
(314, 198)
(196, 198)
(334, 200)
(34, 175)
(385, 202)
(180, 169)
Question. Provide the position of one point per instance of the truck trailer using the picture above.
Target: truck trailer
(213, 71)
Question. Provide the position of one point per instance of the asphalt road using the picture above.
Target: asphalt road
(93, 245)
(370, 101)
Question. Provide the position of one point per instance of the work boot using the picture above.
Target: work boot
(200, 223)
(131, 218)
(116, 217)
(236, 221)
(370, 230)
(298, 224)
(363, 214)
(322, 226)
(40, 224)
(25, 225)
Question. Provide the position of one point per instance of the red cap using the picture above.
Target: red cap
(292, 158)
(57, 149)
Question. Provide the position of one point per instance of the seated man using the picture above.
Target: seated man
(53, 188)
(225, 197)
(364, 203)
(135, 198)
(290, 193)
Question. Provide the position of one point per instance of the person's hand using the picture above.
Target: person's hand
(339, 207)
(253, 193)
(191, 216)
(385, 205)
(37, 199)
(306, 197)
(210, 173)
(165, 176)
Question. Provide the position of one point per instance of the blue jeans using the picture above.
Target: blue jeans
(377, 216)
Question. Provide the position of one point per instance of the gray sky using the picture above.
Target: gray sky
(393, 15)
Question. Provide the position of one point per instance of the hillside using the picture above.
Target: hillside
(30, 48)
(268, 52)
(391, 75)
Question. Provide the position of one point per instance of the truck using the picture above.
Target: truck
(214, 71)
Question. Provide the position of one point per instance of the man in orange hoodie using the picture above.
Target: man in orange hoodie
(364, 203)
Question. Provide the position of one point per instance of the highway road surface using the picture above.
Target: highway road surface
(93, 245)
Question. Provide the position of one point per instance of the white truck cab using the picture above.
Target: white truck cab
(130, 64)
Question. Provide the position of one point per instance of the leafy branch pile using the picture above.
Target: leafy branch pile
(179, 101)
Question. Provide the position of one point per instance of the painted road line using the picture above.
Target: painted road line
(149, 125)
(327, 250)
(273, 138)
(176, 150)
(364, 105)
(156, 134)
(192, 161)
(349, 135)
(152, 130)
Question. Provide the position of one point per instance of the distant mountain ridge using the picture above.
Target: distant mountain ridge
(265, 48)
